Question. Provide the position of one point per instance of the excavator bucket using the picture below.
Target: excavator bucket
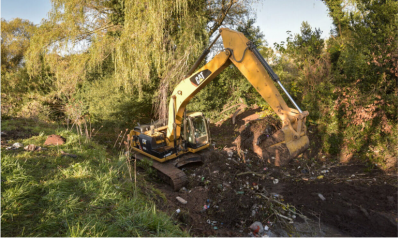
(280, 148)
(277, 147)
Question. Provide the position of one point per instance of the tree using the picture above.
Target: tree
(15, 37)
(138, 41)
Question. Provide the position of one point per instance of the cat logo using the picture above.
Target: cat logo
(198, 78)
(143, 141)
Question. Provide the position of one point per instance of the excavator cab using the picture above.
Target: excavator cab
(196, 131)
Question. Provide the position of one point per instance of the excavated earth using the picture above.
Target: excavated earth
(228, 193)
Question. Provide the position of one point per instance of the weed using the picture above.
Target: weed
(47, 194)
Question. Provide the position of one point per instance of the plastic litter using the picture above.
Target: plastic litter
(321, 196)
(178, 211)
(230, 153)
(215, 228)
(320, 177)
(18, 145)
(15, 146)
(257, 228)
(181, 200)
(275, 181)
(325, 171)
(266, 228)
(239, 192)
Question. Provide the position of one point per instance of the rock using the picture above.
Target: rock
(55, 140)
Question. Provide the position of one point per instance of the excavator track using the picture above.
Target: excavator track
(168, 171)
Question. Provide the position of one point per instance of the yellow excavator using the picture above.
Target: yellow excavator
(177, 142)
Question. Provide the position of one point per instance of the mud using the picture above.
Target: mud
(227, 194)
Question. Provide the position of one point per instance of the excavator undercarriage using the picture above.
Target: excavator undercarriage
(186, 136)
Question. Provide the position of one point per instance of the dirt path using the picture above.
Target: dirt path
(337, 200)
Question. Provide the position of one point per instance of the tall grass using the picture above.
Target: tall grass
(47, 194)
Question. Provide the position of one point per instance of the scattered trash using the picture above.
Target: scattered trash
(15, 146)
(266, 228)
(178, 211)
(69, 155)
(276, 195)
(215, 228)
(321, 196)
(275, 181)
(239, 192)
(181, 200)
(352, 176)
(320, 177)
(265, 169)
(226, 184)
(202, 179)
(305, 179)
(182, 190)
(31, 147)
(324, 171)
(3, 133)
(230, 153)
(305, 171)
(257, 228)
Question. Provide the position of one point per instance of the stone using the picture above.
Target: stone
(55, 140)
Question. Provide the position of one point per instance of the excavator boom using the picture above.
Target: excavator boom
(289, 141)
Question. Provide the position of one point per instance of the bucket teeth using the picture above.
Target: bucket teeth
(280, 148)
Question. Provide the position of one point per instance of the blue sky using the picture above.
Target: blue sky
(274, 17)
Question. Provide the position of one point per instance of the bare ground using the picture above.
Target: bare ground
(358, 200)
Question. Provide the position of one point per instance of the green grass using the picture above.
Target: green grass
(46, 194)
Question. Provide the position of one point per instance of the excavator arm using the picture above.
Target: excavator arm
(289, 141)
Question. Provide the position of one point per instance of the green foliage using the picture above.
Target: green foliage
(230, 87)
(46, 194)
(306, 45)
(350, 89)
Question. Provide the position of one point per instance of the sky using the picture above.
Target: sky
(274, 17)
